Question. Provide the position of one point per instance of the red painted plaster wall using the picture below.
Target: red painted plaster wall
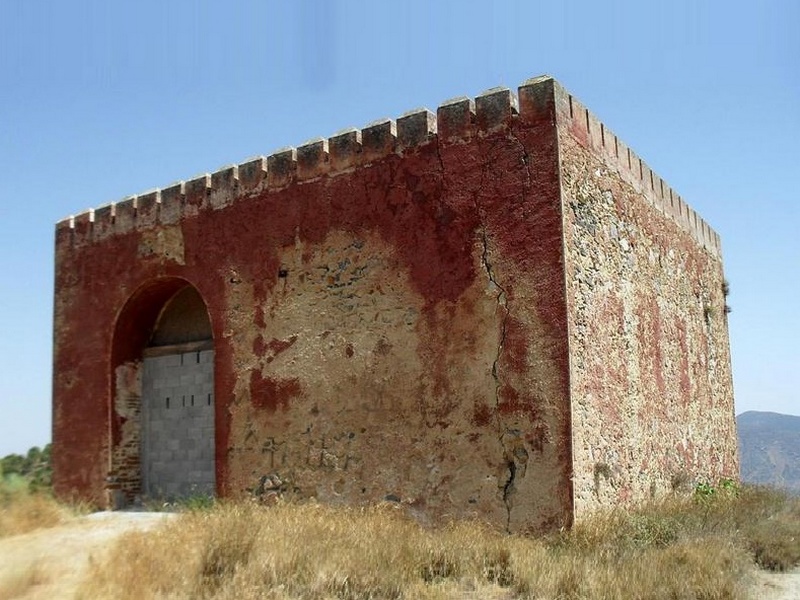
(388, 313)
(495, 311)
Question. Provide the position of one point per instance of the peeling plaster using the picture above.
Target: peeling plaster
(407, 318)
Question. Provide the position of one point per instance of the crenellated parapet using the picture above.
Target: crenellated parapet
(597, 137)
(456, 121)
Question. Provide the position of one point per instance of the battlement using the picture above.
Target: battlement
(456, 121)
(596, 136)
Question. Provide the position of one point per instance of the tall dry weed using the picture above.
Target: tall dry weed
(23, 511)
(19, 585)
(677, 549)
(770, 523)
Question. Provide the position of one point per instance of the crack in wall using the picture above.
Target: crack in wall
(502, 301)
(509, 485)
(525, 160)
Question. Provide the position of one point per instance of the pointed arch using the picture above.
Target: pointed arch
(162, 413)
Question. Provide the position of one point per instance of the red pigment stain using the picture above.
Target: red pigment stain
(271, 394)
(650, 339)
(276, 347)
(684, 369)
(482, 414)
(658, 358)
(538, 437)
(515, 346)
(427, 221)
(259, 346)
(511, 401)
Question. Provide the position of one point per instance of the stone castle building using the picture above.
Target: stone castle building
(497, 310)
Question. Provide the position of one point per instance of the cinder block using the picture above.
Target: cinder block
(171, 360)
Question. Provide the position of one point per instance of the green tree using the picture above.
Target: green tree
(34, 467)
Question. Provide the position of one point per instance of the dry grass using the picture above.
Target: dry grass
(773, 530)
(20, 584)
(701, 548)
(22, 511)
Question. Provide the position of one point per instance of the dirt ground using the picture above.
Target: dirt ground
(50, 563)
(777, 586)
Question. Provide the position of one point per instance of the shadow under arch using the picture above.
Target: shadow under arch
(162, 410)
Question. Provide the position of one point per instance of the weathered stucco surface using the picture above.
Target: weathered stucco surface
(387, 312)
(651, 386)
(395, 314)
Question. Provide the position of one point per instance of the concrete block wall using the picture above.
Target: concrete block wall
(178, 414)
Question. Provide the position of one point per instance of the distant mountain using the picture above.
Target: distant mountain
(769, 445)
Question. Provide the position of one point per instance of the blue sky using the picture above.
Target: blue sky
(100, 100)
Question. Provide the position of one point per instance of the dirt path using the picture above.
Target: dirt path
(50, 563)
(777, 586)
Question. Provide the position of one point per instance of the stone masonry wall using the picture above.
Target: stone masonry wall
(650, 370)
(125, 476)
(495, 311)
(387, 307)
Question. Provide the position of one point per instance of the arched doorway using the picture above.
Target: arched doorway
(163, 423)
(178, 401)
